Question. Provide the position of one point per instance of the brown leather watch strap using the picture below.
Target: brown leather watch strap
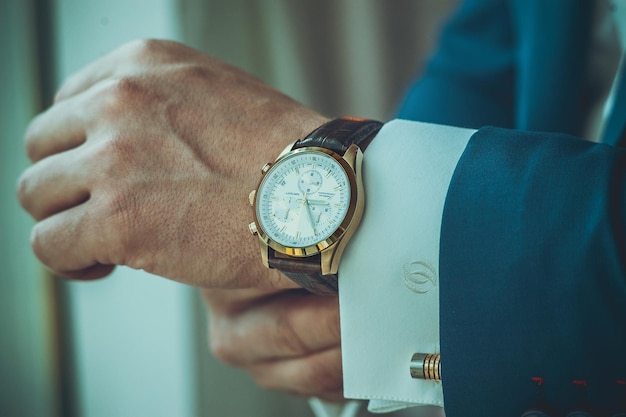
(306, 272)
(337, 135)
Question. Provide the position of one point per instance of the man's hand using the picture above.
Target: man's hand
(287, 340)
(146, 159)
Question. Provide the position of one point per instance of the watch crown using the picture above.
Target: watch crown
(251, 197)
(252, 228)
(266, 168)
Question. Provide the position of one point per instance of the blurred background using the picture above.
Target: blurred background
(134, 345)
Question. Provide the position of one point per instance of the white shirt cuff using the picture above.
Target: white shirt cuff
(388, 286)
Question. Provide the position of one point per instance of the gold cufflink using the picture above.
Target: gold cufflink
(426, 366)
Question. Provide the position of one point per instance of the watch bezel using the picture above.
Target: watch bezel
(348, 162)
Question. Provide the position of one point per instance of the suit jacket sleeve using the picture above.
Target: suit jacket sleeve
(533, 238)
(509, 63)
(532, 264)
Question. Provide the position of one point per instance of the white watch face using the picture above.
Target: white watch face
(303, 199)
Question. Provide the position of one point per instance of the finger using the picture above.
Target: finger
(58, 129)
(66, 244)
(55, 183)
(289, 324)
(96, 271)
(318, 375)
(233, 301)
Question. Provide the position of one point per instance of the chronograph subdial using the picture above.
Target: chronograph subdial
(310, 182)
(284, 209)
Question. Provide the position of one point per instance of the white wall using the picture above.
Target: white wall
(27, 367)
(131, 331)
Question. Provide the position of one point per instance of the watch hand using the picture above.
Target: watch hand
(319, 202)
(319, 216)
(308, 211)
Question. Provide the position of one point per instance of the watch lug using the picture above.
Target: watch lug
(330, 260)
(353, 157)
(331, 256)
(264, 253)
(286, 150)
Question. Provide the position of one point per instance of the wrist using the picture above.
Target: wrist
(292, 125)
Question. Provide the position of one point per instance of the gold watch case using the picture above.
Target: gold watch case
(332, 247)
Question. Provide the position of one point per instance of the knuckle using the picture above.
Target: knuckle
(112, 209)
(65, 88)
(37, 242)
(126, 97)
(148, 48)
(145, 46)
(30, 139)
(267, 383)
(201, 75)
(322, 375)
(117, 211)
(118, 152)
(135, 48)
(272, 376)
(118, 98)
(115, 202)
(114, 158)
(310, 376)
(60, 93)
(124, 90)
(24, 189)
(224, 342)
(223, 350)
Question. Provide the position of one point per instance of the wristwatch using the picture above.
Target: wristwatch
(310, 201)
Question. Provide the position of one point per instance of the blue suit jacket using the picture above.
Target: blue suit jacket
(533, 242)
